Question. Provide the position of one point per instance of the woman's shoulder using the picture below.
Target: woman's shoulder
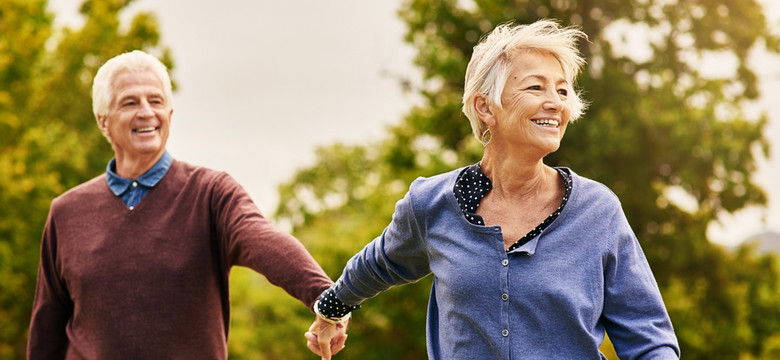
(429, 193)
(591, 190)
(428, 184)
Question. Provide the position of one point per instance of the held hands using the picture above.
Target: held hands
(326, 338)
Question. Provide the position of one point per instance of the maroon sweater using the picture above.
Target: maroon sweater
(152, 283)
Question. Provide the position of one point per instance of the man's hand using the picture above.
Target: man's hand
(326, 339)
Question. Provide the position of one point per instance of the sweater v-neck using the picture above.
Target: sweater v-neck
(150, 197)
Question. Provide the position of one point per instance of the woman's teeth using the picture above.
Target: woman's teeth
(546, 122)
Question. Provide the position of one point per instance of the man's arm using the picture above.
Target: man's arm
(52, 307)
(249, 239)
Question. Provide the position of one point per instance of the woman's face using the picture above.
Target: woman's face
(535, 107)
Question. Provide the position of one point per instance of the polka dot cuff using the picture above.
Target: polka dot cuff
(330, 306)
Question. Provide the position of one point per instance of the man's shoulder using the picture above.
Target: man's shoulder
(185, 169)
(92, 187)
(183, 174)
(92, 191)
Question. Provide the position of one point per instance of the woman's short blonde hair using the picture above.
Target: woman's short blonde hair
(136, 60)
(488, 69)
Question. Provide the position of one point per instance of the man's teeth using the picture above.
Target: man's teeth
(546, 122)
(145, 129)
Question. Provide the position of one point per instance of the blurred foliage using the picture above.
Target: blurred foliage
(667, 134)
(48, 138)
(659, 125)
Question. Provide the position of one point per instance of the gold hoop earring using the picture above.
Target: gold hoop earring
(486, 137)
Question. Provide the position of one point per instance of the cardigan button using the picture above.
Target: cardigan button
(505, 262)
(505, 333)
(505, 296)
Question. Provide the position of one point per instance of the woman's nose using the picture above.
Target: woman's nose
(553, 101)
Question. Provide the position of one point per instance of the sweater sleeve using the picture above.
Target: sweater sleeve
(396, 257)
(635, 316)
(52, 307)
(251, 240)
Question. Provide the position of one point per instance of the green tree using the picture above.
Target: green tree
(660, 128)
(48, 137)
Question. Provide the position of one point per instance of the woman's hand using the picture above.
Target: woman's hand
(326, 339)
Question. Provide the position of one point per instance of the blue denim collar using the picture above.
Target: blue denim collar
(149, 179)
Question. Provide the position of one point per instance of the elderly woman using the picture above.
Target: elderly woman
(529, 261)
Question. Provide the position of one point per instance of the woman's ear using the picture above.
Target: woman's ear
(483, 109)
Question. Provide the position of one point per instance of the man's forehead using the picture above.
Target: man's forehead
(137, 82)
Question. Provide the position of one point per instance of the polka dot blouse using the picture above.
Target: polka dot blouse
(472, 185)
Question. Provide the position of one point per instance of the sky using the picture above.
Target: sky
(262, 84)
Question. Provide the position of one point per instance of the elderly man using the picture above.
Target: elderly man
(135, 262)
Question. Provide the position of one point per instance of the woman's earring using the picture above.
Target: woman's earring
(486, 136)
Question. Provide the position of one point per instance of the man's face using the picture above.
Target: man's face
(139, 117)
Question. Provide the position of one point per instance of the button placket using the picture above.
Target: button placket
(504, 291)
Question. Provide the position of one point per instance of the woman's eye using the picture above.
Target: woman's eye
(534, 87)
(563, 92)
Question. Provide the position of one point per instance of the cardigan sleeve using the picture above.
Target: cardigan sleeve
(635, 317)
(396, 257)
(52, 306)
(251, 240)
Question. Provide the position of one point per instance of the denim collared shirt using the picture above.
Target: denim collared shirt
(132, 191)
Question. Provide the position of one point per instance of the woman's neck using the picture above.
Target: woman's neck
(514, 178)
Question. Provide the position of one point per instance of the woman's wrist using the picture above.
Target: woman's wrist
(330, 319)
(328, 306)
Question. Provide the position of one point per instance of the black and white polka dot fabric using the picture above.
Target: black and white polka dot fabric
(330, 306)
(472, 185)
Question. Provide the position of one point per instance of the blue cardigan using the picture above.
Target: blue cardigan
(552, 298)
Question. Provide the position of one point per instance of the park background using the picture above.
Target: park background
(325, 111)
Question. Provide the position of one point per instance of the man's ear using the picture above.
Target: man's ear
(102, 121)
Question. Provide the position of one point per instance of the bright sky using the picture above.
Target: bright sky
(263, 83)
